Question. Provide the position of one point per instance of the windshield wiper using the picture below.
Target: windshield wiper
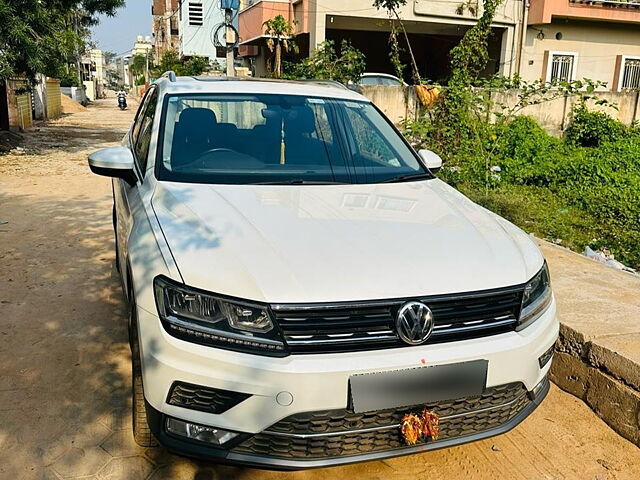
(298, 182)
(408, 178)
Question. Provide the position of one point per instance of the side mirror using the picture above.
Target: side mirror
(431, 160)
(114, 162)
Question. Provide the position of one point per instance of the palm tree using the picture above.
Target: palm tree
(280, 30)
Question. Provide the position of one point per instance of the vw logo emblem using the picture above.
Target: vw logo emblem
(414, 323)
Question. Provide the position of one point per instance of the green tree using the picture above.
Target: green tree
(457, 129)
(138, 64)
(279, 30)
(194, 66)
(393, 10)
(44, 36)
(170, 60)
(109, 57)
(344, 66)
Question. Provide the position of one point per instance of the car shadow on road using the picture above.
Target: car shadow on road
(65, 371)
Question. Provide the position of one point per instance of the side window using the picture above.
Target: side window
(143, 140)
(369, 81)
(323, 130)
(390, 82)
(368, 140)
(561, 66)
(139, 117)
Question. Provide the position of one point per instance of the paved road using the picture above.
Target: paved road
(64, 359)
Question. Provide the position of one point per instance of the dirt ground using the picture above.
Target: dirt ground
(64, 358)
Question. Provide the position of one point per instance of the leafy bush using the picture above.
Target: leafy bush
(69, 79)
(556, 189)
(193, 66)
(344, 65)
(590, 129)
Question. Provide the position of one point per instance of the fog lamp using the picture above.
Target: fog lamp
(538, 387)
(201, 433)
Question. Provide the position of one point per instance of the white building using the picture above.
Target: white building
(123, 70)
(198, 22)
(143, 46)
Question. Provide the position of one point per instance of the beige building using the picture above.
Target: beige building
(434, 28)
(97, 59)
(575, 39)
(165, 26)
(93, 73)
(563, 39)
(143, 46)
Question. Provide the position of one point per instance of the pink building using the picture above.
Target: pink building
(575, 39)
(434, 28)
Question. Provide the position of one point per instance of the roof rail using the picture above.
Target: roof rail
(171, 75)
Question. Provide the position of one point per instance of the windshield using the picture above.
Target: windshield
(273, 139)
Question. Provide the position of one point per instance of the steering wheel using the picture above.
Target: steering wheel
(213, 150)
(200, 160)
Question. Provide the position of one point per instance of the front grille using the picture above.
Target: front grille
(338, 433)
(204, 399)
(370, 325)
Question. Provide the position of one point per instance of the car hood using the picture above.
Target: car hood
(326, 243)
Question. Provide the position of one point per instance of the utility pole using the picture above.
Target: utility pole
(76, 29)
(231, 34)
(146, 67)
(228, 18)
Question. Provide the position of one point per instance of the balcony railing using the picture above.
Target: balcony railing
(610, 3)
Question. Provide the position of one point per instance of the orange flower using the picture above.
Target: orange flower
(411, 428)
(430, 424)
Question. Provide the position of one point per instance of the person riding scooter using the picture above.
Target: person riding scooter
(122, 99)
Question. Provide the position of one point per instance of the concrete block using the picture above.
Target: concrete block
(618, 355)
(570, 374)
(616, 404)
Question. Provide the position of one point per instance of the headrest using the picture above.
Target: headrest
(300, 120)
(226, 128)
(198, 116)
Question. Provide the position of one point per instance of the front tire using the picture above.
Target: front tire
(141, 431)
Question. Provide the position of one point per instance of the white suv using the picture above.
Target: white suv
(302, 289)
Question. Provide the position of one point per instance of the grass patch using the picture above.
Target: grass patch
(580, 191)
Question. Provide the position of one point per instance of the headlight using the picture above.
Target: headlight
(536, 298)
(202, 317)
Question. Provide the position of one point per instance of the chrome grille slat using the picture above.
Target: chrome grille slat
(476, 327)
(357, 326)
(340, 340)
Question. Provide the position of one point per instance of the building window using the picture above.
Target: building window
(196, 14)
(630, 77)
(561, 66)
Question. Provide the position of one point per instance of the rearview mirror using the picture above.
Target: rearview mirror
(432, 160)
(116, 162)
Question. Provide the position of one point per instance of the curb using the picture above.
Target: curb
(607, 382)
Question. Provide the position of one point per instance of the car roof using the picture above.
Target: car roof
(249, 85)
(373, 74)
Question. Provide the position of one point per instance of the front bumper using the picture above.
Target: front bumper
(320, 382)
(244, 451)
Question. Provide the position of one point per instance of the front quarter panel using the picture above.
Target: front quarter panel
(148, 252)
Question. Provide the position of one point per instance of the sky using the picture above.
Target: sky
(118, 34)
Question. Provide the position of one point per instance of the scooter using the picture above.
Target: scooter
(122, 102)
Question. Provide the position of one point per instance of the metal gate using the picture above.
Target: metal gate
(4, 107)
(54, 102)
